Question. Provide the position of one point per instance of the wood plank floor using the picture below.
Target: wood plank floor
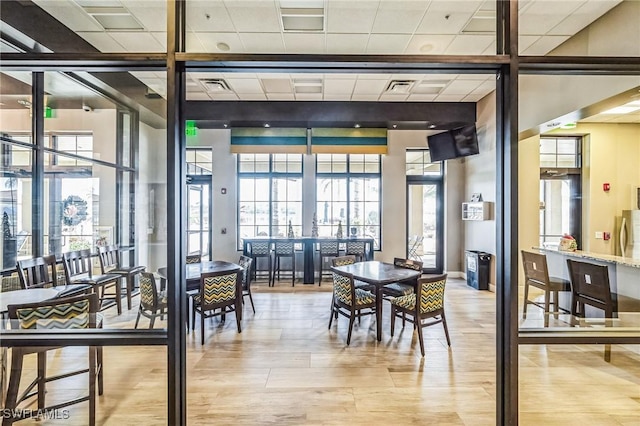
(287, 368)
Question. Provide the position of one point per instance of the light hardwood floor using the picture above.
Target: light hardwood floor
(287, 368)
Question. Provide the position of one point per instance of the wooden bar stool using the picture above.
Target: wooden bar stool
(283, 249)
(536, 274)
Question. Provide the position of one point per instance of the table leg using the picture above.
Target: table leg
(379, 312)
(308, 263)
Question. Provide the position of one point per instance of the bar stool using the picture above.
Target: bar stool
(260, 249)
(328, 249)
(283, 249)
(536, 274)
(357, 249)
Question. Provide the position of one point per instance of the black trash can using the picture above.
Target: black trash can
(477, 267)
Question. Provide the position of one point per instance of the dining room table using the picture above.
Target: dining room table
(378, 274)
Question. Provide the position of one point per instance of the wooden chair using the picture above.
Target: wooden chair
(350, 260)
(218, 290)
(327, 250)
(431, 305)
(283, 249)
(78, 270)
(350, 301)
(41, 272)
(257, 250)
(246, 262)
(110, 264)
(398, 289)
(77, 312)
(590, 286)
(536, 274)
(194, 258)
(357, 249)
(153, 303)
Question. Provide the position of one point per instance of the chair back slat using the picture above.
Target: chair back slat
(245, 262)
(407, 264)
(535, 268)
(77, 263)
(39, 272)
(108, 258)
(590, 285)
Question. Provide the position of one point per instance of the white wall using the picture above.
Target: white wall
(481, 177)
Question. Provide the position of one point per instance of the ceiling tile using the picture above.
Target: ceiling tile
(545, 44)
(200, 75)
(583, 16)
(277, 85)
(309, 96)
(393, 97)
(252, 96)
(262, 42)
(224, 96)
(303, 43)
(473, 97)
(429, 44)
(364, 98)
(151, 14)
(280, 75)
(469, 44)
(337, 97)
(447, 17)
(244, 85)
(210, 42)
(482, 77)
(399, 17)
(281, 97)
(525, 41)
(449, 98)
(485, 88)
(332, 87)
(461, 87)
(193, 43)
(416, 77)
(351, 17)
(161, 37)
(439, 77)
(340, 76)
(239, 75)
(197, 96)
(70, 14)
(254, 16)
(137, 41)
(102, 41)
(388, 43)
(369, 87)
(219, 20)
(416, 97)
(347, 43)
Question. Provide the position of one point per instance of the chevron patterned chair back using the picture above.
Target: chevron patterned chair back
(427, 304)
(327, 249)
(257, 250)
(194, 258)
(153, 303)
(75, 312)
(218, 290)
(356, 248)
(350, 301)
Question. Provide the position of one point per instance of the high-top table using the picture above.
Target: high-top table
(307, 247)
(378, 274)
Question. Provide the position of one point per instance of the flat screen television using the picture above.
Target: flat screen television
(456, 143)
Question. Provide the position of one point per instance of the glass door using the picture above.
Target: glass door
(199, 218)
(560, 210)
(424, 225)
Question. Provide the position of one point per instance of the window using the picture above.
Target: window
(269, 195)
(74, 144)
(560, 152)
(199, 161)
(419, 163)
(348, 194)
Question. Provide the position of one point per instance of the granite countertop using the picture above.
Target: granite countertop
(626, 261)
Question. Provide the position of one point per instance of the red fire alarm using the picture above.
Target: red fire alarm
(606, 187)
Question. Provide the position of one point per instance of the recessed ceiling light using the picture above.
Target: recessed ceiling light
(225, 125)
(427, 47)
(357, 126)
(302, 19)
(114, 18)
(432, 126)
(395, 126)
(267, 125)
(223, 47)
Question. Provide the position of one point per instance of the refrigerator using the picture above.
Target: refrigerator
(628, 234)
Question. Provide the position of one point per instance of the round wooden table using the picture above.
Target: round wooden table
(25, 296)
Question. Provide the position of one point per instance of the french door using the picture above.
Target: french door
(425, 218)
(199, 216)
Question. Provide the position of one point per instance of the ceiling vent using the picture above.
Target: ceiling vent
(215, 85)
(114, 18)
(482, 22)
(399, 86)
(302, 19)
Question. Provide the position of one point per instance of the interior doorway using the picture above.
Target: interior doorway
(199, 214)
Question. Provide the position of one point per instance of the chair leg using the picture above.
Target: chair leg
(152, 320)
(137, 319)
(42, 378)
(418, 325)
(14, 384)
(556, 305)
(393, 319)
(100, 367)
(293, 271)
(251, 300)
(351, 318)
(202, 327)
(129, 283)
(607, 353)
(238, 318)
(446, 329)
(526, 300)
(193, 317)
(331, 315)
(119, 297)
(547, 301)
(320, 272)
(92, 386)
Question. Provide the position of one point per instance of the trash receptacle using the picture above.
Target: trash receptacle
(477, 267)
